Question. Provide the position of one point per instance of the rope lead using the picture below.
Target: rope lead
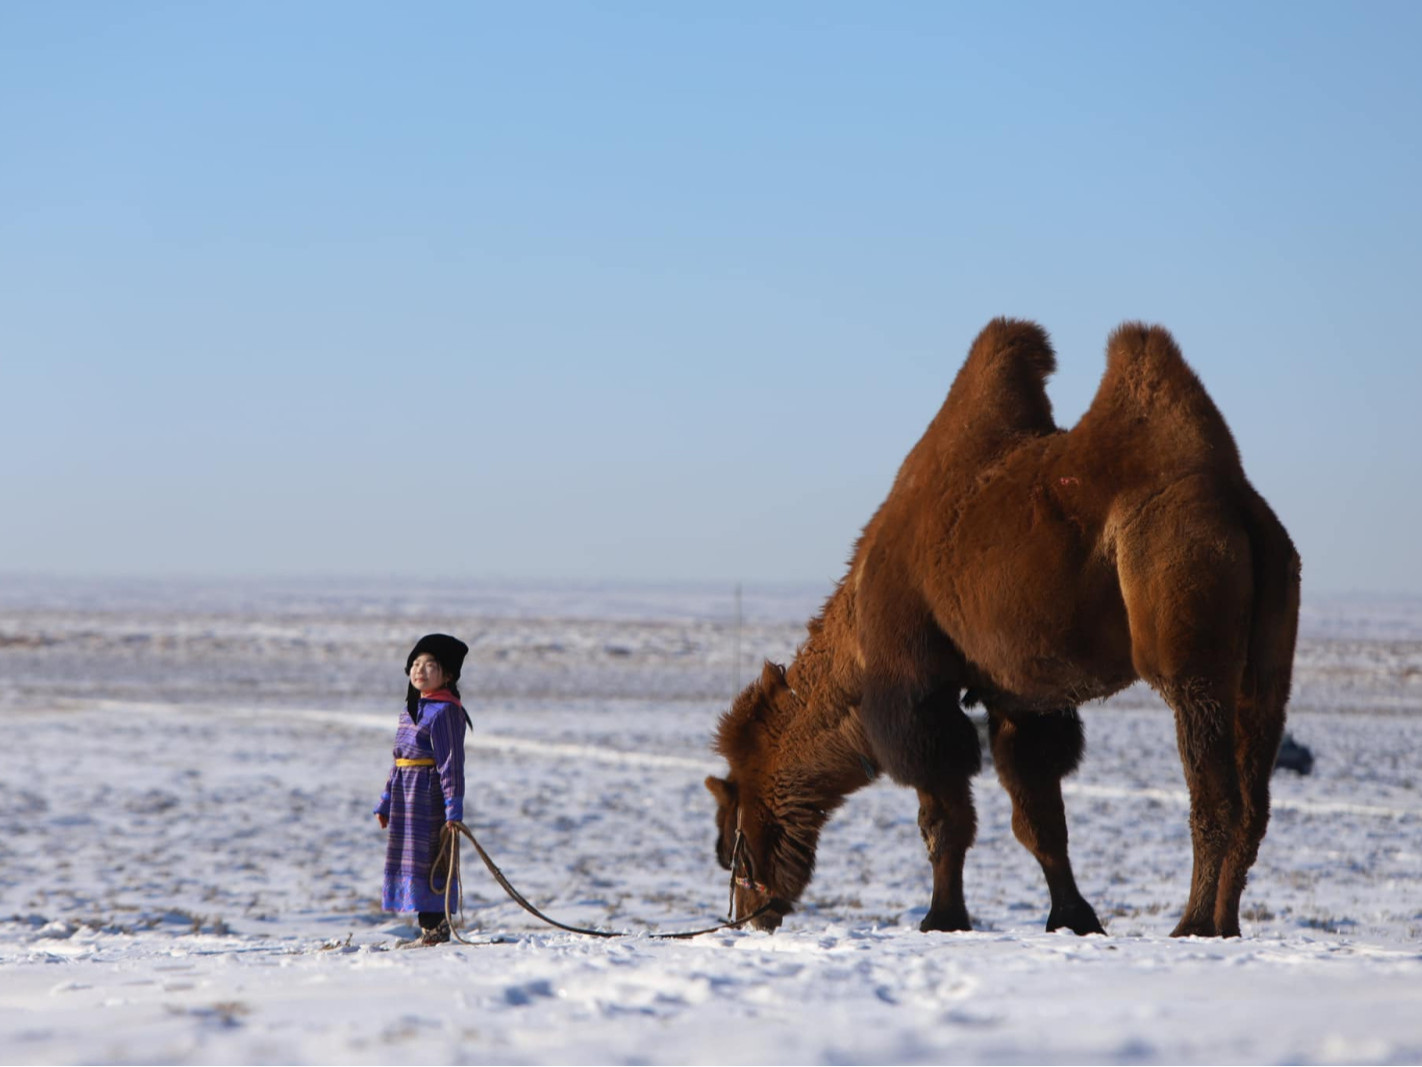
(460, 830)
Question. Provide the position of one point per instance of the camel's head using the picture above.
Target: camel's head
(762, 835)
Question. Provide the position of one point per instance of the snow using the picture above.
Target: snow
(189, 871)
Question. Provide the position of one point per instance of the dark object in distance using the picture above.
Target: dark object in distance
(1294, 756)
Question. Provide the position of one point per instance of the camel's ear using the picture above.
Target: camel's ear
(772, 677)
(722, 790)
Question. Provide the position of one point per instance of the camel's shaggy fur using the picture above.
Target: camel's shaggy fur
(1033, 569)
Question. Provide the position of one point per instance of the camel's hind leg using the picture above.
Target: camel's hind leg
(1258, 731)
(1204, 730)
(1259, 724)
(1032, 753)
(1185, 568)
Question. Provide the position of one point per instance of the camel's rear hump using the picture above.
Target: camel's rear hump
(1151, 400)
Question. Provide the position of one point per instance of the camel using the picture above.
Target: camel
(1031, 569)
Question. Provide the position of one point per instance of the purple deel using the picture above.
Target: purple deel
(419, 800)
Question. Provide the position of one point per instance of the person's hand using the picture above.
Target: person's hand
(452, 824)
(383, 820)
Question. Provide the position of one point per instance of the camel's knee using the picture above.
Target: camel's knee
(1205, 731)
(1204, 720)
(947, 830)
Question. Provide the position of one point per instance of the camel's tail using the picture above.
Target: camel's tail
(1274, 627)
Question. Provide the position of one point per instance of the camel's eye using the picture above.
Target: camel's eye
(723, 850)
(725, 835)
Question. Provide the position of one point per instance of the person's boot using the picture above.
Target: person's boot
(435, 935)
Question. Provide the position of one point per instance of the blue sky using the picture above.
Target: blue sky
(663, 291)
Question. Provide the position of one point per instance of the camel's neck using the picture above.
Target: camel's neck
(825, 670)
(824, 748)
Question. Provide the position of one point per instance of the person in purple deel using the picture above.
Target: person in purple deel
(426, 786)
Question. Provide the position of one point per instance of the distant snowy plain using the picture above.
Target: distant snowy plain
(189, 871)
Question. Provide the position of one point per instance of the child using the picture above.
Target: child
(426, 785)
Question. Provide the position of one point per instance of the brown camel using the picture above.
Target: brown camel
(1032, 568)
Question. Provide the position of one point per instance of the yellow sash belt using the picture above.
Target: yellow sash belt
(414, 763)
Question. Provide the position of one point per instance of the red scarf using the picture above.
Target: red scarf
(441, 694)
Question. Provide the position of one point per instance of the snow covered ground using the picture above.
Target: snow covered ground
(189, 871)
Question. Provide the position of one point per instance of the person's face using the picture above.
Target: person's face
(426, 674)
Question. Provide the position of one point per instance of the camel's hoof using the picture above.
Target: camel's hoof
(1195, 928)
(1079, 917)
(769, 922)
(947, 921)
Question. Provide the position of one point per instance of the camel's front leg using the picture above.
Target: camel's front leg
(1032, 752)
(948, 823)
(931, 745)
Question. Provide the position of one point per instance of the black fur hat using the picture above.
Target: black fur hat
(448, 652)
